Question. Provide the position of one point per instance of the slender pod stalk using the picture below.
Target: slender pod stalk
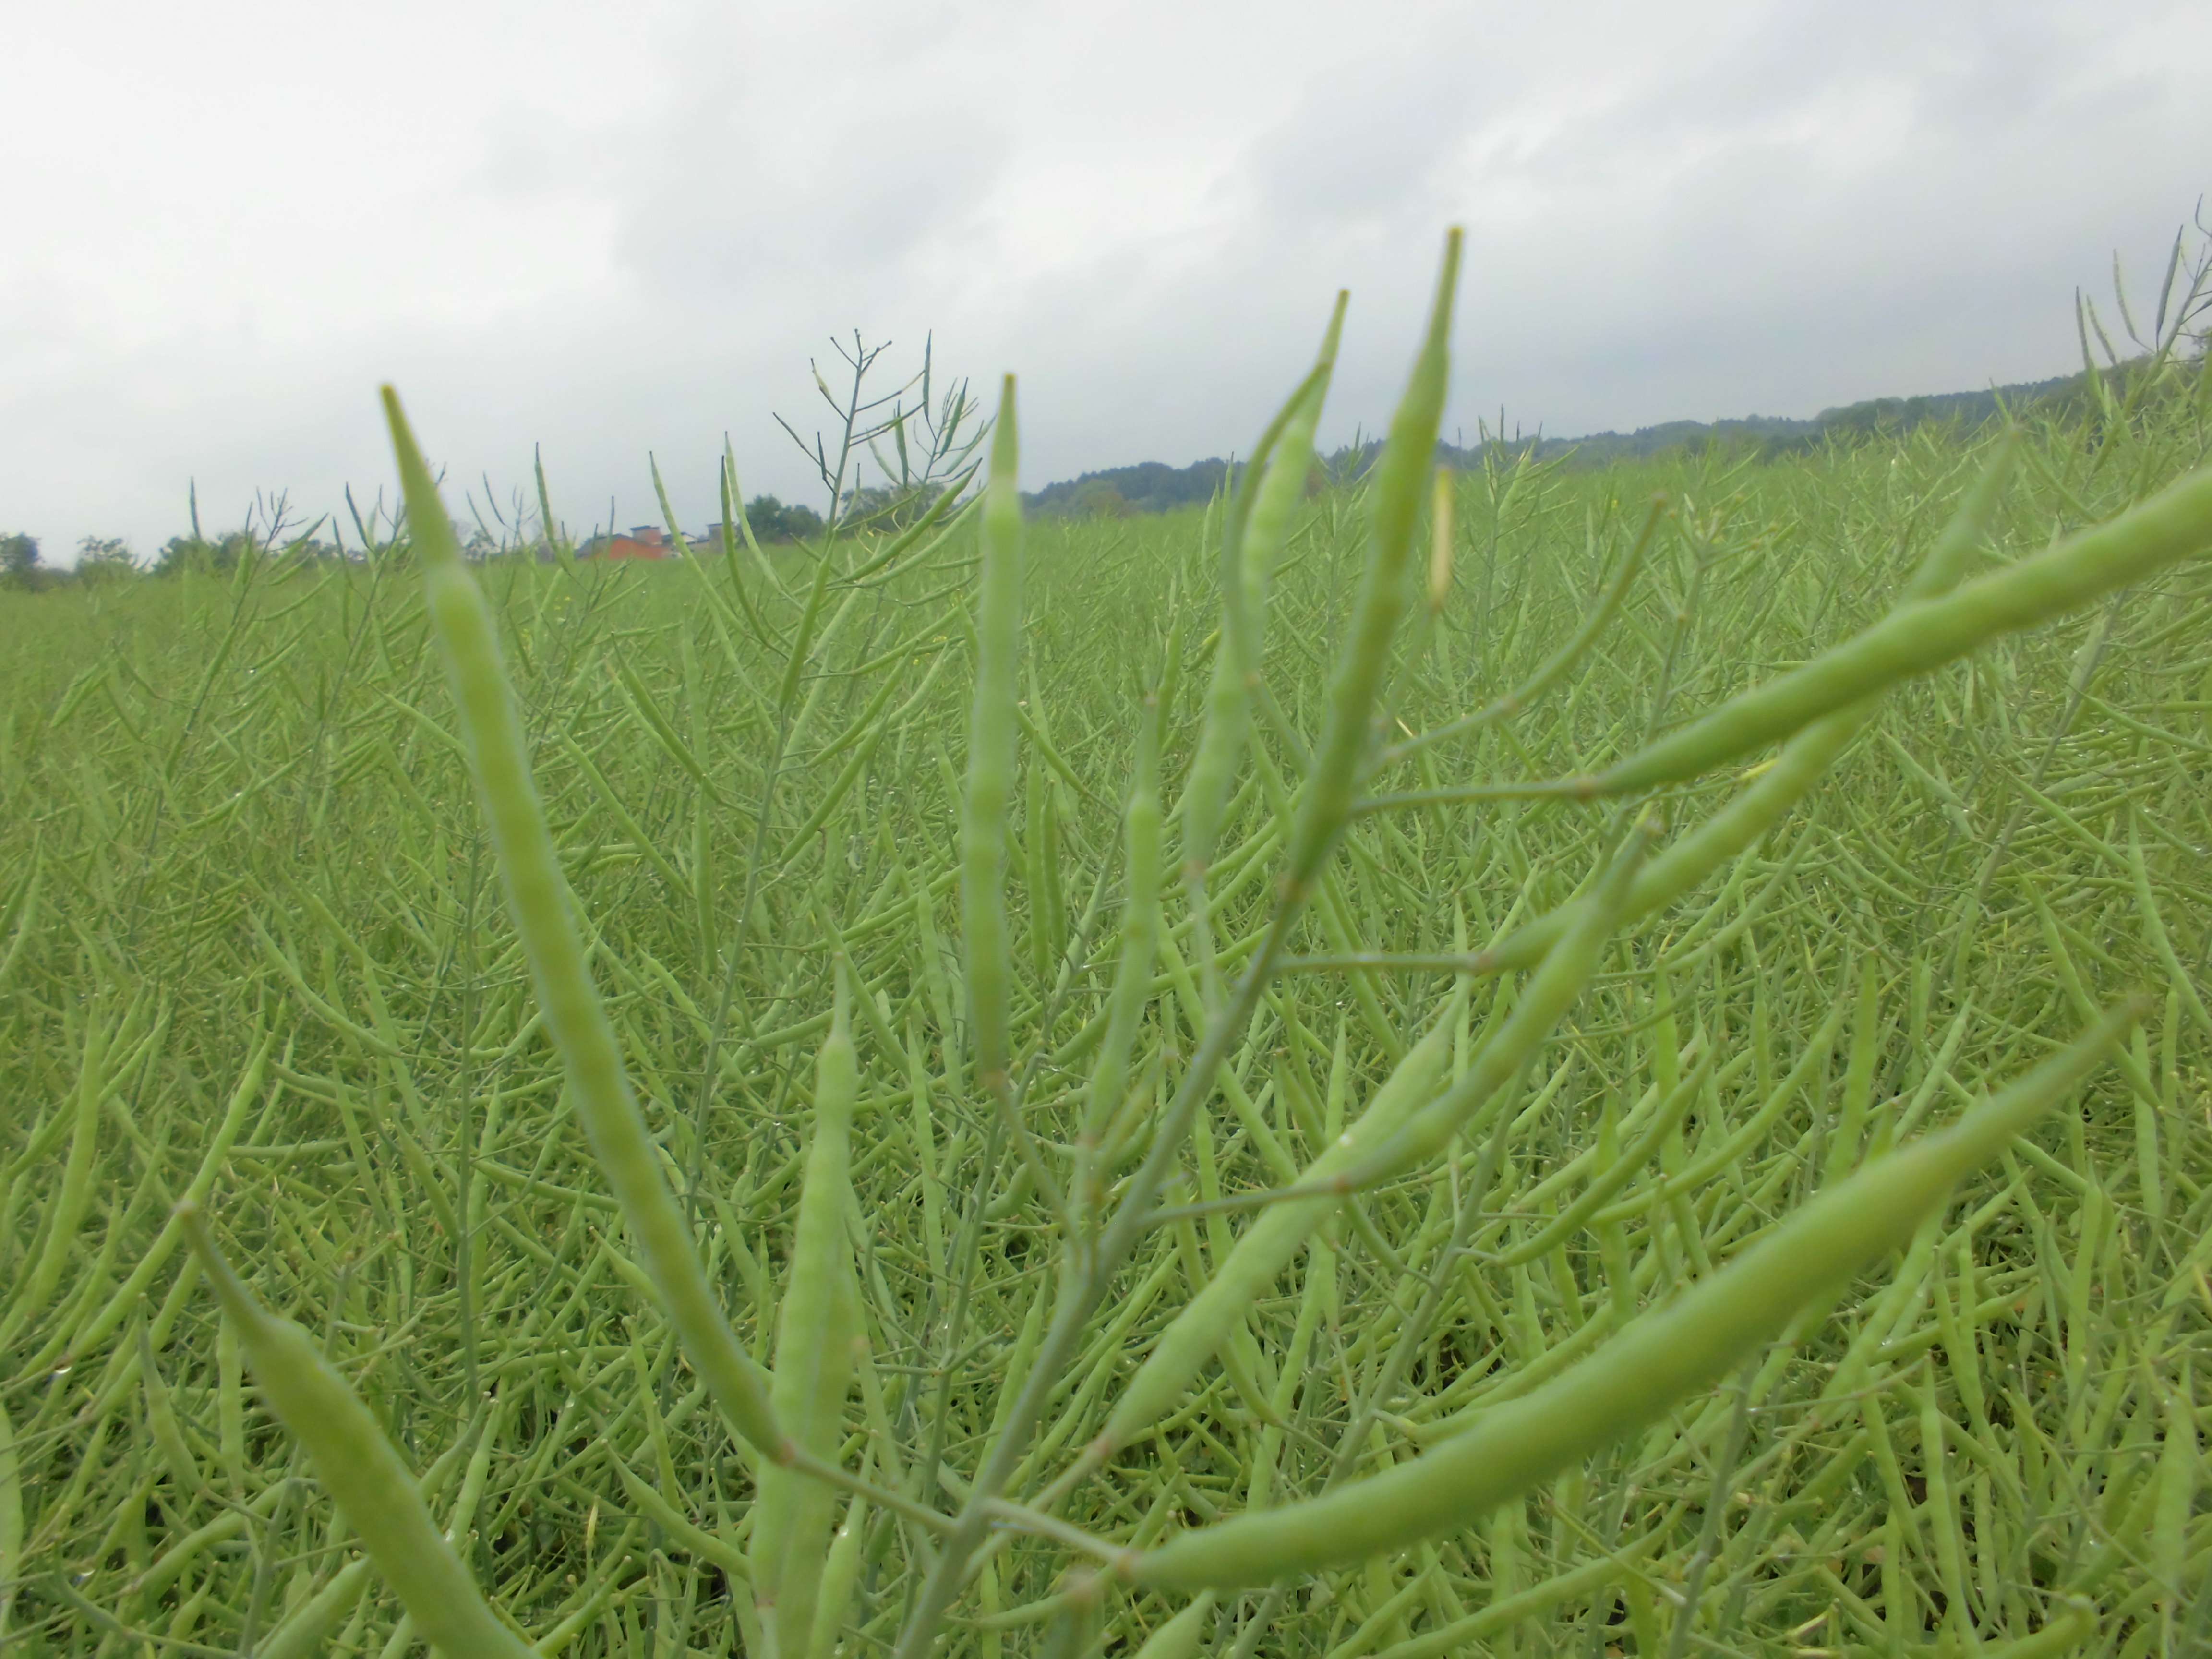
(374, 1490)
(1662, 1358)
(598, 1081)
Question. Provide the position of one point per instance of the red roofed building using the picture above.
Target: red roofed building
(644, 541)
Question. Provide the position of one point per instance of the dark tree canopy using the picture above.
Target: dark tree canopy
(19, 556)
(773, 521)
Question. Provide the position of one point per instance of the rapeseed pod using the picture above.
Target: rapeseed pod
(816, 1326)
(993, 724)
(537, 896)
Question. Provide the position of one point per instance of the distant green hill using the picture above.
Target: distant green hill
(1156, 487)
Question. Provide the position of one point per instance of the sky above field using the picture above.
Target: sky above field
(616, 230)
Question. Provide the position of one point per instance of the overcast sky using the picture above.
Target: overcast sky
(616, 229)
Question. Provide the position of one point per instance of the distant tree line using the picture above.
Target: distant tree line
(877, 506)
(1767, 437)
(772, 521)
(1116, 492)
(109, 559)
(98, 559)
(19, 560)
(1155, 487)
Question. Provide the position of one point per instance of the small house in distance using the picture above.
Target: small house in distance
(770, 520)
(644, 541)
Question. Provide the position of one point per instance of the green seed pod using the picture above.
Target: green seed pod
(1132, 969)
(1253, 532)
(1565, 657)
(1073, 1631)
(2074, 1628)
(162, 1418)
(373, 1489)
(839, 1576)
(816, 1327)
(228, 1130)
(66, 1213)
(2179, 1470)
(1658, 1359)
(1179, 1638)
(1401, 480)
(575, 1017)
(307, 1628)
(991, 741)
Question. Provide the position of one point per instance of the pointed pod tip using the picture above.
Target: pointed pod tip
(1004, 441)
(395, 418)
(1440, 314)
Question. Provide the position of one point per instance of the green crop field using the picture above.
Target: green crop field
(1553, 1061)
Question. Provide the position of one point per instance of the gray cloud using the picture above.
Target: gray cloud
(621, 232)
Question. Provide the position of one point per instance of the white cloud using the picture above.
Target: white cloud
(617, 230)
